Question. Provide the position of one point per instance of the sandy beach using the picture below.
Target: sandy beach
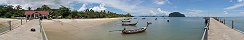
(73, 29)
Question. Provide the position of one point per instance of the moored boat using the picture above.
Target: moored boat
(125, 20)
(142, 29)
(135, 18)
(129, 24)
(143, 18)
(139, 30)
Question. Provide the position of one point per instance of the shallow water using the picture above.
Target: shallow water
(179, 28)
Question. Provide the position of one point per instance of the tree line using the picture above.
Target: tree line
(9, 11)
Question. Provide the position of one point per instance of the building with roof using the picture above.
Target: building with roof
(36, 14)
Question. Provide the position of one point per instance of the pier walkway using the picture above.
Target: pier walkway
(219, 31)
(23, 32)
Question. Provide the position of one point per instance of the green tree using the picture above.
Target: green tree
(45, 8)
(64, 11)
(29, 8)
(18, 7)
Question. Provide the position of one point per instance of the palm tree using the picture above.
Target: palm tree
(45, 8)
(18, 7)
(29, 8)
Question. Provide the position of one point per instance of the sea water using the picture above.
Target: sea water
(178, 28)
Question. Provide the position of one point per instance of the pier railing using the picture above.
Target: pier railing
(44, 36)
(10, 25)
(206, 28)
(231, 26)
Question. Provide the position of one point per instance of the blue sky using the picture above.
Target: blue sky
(191, 8)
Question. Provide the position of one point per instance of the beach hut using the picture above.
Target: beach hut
(36, 14)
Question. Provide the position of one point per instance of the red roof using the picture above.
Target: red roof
(36, 12)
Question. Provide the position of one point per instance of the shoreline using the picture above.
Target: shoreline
(68, 29)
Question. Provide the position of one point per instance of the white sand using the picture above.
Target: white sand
(56, 29)
(68, 29)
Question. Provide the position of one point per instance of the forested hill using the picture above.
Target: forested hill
(9, 11)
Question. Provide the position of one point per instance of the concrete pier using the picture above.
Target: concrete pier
(23, 32)
(219, 31)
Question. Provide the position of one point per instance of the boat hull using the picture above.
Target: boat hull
(128, 24)
(134, 31)
(125, 20)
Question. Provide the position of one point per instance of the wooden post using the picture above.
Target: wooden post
(224, 21)
(21, 21)
(40, 25)
(232, 24)
(26, 18)
(10, 28)
(208, 23)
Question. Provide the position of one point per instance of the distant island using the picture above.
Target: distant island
(176, 14)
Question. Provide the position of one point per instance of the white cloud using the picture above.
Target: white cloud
(240, 14)
(235, 6)
(195, 13)
(83, 7)
(160, 2)
(131, 6)
(38, 3)
(99, 8)
(3, 2)
(239, 0)
(119, 4)
(158, 12)
(152, 13)
(225, 12)
(165, 13)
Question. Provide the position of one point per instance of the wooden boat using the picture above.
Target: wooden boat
(143, 18)
(125, 20)
(139, 30)
(142, 29)
(135, 18)
(129, 24)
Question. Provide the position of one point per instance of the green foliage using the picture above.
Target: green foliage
(8, 11)
(29, 8)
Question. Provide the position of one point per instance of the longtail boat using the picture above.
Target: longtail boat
(139, 30)
(125, 20)
(129, 24)
(143, 18)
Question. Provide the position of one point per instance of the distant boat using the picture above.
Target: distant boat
(156, 18)
(135, 18)
(142, 29)
(129, 24)
(143, 18)
(127, 19)
(167, 20)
